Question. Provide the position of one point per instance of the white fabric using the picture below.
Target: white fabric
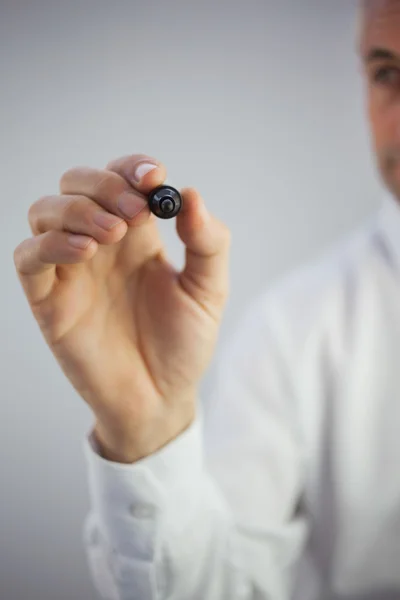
(288, 486)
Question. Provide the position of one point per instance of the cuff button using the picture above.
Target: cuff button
(142, 511)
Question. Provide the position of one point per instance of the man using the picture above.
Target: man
(289, 487)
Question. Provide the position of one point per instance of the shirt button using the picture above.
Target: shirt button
(142, 511)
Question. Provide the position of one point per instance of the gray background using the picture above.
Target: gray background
(259, 104)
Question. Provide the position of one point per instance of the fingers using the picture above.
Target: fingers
(143, 172)
(109, 190)
(207, 240)
(95, 207)
(121, 188)
(36, 258)
(76, 214)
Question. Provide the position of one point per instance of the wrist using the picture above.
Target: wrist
(126, 447)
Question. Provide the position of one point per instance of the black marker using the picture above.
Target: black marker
(165, 202)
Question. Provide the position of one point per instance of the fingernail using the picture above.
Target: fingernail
(130, 205)
(106, 220)
(142, 169)
(79, 241)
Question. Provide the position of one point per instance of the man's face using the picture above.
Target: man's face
(380, 53)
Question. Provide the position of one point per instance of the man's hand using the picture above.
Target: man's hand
(133, 335)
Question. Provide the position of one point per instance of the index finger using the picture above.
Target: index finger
(141, 171)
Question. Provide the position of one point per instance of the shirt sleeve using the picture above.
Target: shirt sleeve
(217, 513)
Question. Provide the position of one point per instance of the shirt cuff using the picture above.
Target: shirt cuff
(131, 502)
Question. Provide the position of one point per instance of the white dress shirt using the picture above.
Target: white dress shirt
(288, 486)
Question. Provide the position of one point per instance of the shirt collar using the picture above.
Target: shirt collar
(389, 222)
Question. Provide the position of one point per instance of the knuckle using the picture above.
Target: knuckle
(34, 209)
(71, 179)
(19, 255)
(67, 176)
(68, 208)
(108, 185)
(32, 217)
(102, 187)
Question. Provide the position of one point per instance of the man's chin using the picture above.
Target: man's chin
(392, 183)
(395, 191)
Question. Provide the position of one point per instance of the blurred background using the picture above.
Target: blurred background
(258, 104)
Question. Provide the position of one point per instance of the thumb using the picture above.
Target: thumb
(206, 273)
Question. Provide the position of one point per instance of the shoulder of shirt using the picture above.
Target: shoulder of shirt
(317, 292)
